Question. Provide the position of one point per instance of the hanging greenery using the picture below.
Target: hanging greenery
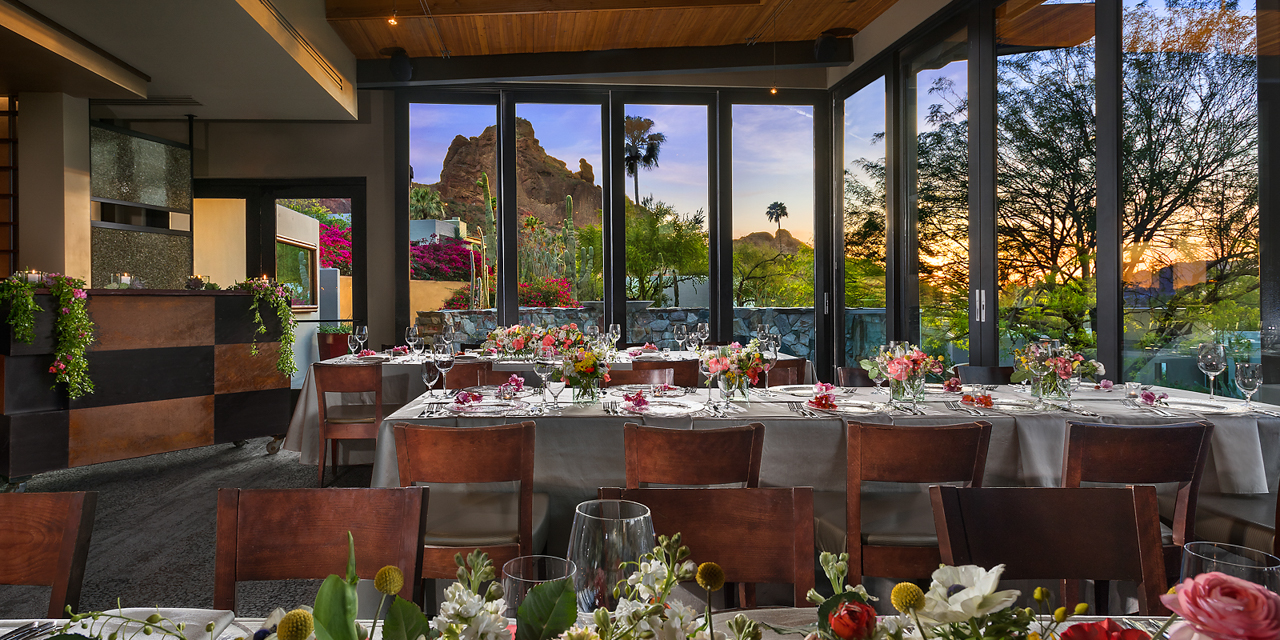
(271, 294)
(72, 328)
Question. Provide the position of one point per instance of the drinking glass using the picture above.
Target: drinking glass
(1211, 357)
(555, 387)
(543, 364)
(1248, 379)
(593, 335)
(704, 366)
(615, 333)
(681, 332)
(419, 343)
(353, 343)
(430, 374)
(362, 334)
(443, 352)
(703, 333)
(771, 346)
(1241, 562)
(521, 574)
(411, 336)
(605, 534)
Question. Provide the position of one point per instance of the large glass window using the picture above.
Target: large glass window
(1190, 187)
(864, 222)
(773, 224)
(936, 86)
(1046, 185)
(667, 252)
(296, 271)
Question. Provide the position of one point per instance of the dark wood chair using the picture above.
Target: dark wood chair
(619, 377)
(463, 375)
(756, 535)
(693, 457)
(854, 377)
(970, 374)
(491, 377)
(889, 534)
(301, 534)
(346, 421)
(1096, 533)
(461, 521)
(1121, 454)
(684, 372)
(45, 542)
(786, 371)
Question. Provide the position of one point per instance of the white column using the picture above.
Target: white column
(53, 183)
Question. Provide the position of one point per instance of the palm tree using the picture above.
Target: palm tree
(425, 204)
(776, 212)
(641, 148)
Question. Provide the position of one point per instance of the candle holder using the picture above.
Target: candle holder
(30, 276)
(196, 282)
(121, 280)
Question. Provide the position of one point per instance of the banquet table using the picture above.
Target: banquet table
(581, 448)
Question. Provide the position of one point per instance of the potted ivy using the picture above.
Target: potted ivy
(332, 340)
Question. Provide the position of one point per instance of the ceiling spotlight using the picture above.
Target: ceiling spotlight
(392, 20)
(774, 89)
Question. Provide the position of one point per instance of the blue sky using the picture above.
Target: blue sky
(773, 153)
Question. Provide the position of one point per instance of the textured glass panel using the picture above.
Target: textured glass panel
(295, 267)
(139, 170)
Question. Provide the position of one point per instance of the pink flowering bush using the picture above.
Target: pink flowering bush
(449, 260)
(553, 292)
(335, 248)
(1221, 607)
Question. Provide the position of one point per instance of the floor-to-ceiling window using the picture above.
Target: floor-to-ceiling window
(864, 223)
(1045, 181)
(667, 252)
(773, 225)
(1189, 187)
(936, 81)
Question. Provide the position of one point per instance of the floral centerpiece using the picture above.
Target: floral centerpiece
(635, 402)
(522, 342)
(735, 368)
(270, 294)
(73, 331)
(1049, 369)
(905, 366)
(583, 370)
(823, 397)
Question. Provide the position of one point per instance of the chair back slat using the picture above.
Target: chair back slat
(463, 375)
(347, 378)
(786, 371)
(756, 535)
(284, 534)
(970, 374)
(619, 377)
(463, 454)
(693, 457)
(950, 453)
(684, 372)
(45, 542)
(854, 377)
(1135, 454)
(1040, 533)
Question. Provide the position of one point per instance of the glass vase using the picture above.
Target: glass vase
(1052, 388)
(587, 393)
(734, 391)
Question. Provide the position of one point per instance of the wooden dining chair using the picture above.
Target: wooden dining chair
(504, 525)
(619, 377)
(756, 535)
(684, 373)
(659, 455)
(971, 374)
(346, 421)
(1123, 454)
(890, 534)
(464, 375)
(786, 371)
(854, 377)
(301, 534)
(1095, 533)
(45, 542)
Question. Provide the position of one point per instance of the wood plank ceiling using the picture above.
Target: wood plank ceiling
(487, 27)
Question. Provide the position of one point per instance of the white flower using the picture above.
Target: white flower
(1102, 371)
(963, 593)
(461, 604)
(891, 626)
(485, 626)
(647, 578)
(702, 635)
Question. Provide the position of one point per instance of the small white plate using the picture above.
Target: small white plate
(665, 408)
(805, 390)
(1191, 404)
(849, 406)
(488, 407)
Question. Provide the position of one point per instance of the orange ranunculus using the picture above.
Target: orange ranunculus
(853, 621)
(1106, 629)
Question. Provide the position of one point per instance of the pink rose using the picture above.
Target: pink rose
(549, 341)
(1106, 384)
(1064, 370)
(898, 369)
(517, 344)
(1223, 607)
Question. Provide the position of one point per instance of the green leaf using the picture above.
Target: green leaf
(548, 610)
(335, 610)
(405, 621)
(352, 578)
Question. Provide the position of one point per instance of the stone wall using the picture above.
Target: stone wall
(864, 328)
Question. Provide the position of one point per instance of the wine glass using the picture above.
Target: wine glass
(593, 335)
(443, 352)
(411, 336)
(543, 364)
(430, 374)
(605, 535)
(615, 332)
(353, 343)
(704, 366)
(362, 334)
(771, 348)
(418, 344)
(1234, 560)
(520, 575)
(681, 332)
(1248, 379)
(555, 386)
(702, 333)
(1211, 358)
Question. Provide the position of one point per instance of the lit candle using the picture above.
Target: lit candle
(33, 276)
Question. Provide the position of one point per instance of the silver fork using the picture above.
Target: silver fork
(952, 404)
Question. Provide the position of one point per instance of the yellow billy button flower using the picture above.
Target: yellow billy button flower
(1033, 636)
(295, 625)
(906, 597)
(390, 580)
(710, 576)
(1082, 608)
(1040, 594)
(1059, 615)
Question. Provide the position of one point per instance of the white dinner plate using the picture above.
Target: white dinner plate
(848, 406)
(804, 390)
(1191, 404)
(488, 407)
(1006, 404)
(628, 389)
(491, 391)
(665, 408)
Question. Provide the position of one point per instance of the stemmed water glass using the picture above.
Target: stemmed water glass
(770, 347)
(592, 332)
(681, 332)
(544, 363)
(1211, 358)
(1248, 379)
(362, 334)
(430, 374)
(702, 333)
(443, 352)
(615, 332)
(353, 343)
(557, 384)
(704, 366)
(411, 338)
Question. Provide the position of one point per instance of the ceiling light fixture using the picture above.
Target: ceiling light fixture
(392, 20)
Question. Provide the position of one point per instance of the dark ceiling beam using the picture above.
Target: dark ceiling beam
(381, 9)
(376, 74)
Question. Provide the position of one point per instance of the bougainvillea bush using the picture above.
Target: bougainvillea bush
(335, 248)
(546, 293)
(448, 259)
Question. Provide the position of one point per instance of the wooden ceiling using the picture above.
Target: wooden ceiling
(487, 27)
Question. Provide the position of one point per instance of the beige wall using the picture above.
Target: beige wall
(218, 234)
(430, 295)
(54, 183)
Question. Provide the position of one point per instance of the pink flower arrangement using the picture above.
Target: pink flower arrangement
(952, 385)
(1105, 385)
(1150, 398)
(823, 388)
(516, 383)
(367, 352)
(825, 401)
(636, 401)
(736, 363)
(466, 397)
(1221, 607)
(907, 363)
(400, 350)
